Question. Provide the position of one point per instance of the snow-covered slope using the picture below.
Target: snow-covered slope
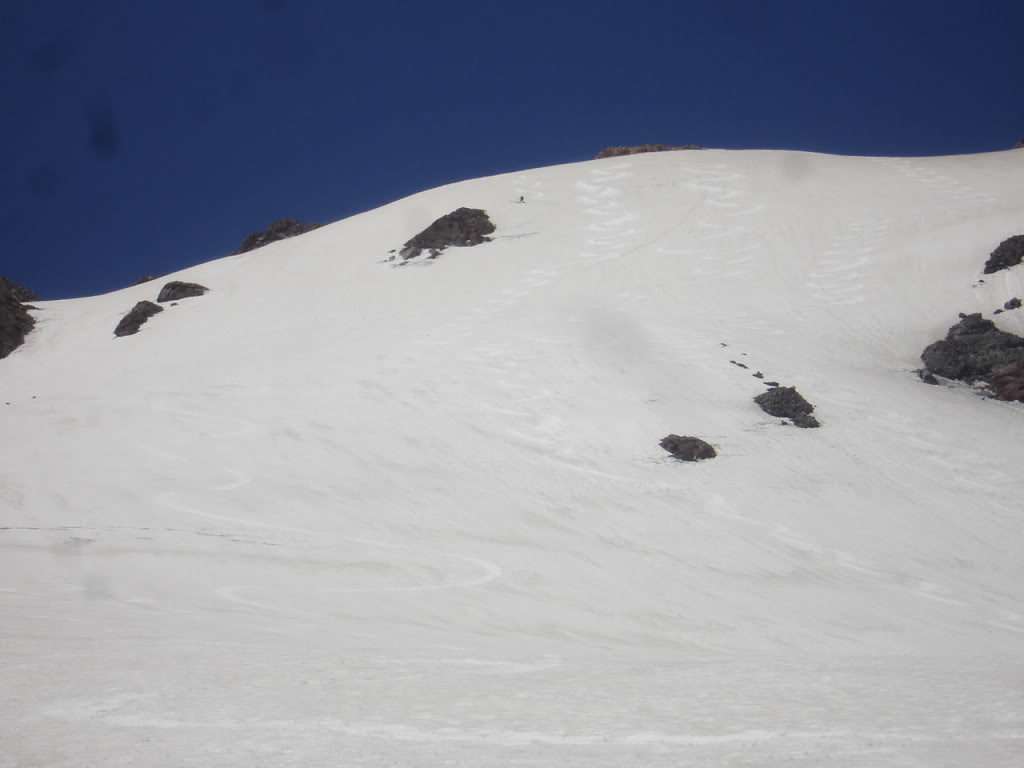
(338, 513)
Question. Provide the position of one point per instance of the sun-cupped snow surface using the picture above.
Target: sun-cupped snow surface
(339, 513)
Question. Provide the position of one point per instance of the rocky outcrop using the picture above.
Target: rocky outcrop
(1014, 303)
(19, 292)
(15, 321)
(281, 229)
(686, 448)
(974, 349)
(176, 289)
(462, 227)
(1019, 144)
(787, 403)
(138, 315)
(640, 149)
(1008, 253)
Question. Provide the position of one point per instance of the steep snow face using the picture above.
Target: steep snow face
(335, 512)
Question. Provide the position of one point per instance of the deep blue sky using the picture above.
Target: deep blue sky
(142, 137)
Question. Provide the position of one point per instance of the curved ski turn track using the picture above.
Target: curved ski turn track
(335, 513)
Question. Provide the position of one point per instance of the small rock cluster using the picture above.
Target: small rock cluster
(1014, 303)
(281, 229)
(787, 403)
(974, 350)
(143, 310)
(462, 227)
(15, 321)
(640, 149)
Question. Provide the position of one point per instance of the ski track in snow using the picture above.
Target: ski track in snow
(544, 707)
(238, 480)
(838, 278)
(723, 249)
(942, 184)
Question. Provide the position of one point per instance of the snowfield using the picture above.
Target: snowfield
(339, 513)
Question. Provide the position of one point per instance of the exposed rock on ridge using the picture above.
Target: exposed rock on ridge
(19, 292)
(15, 321)
(640, 149)
(281, 229)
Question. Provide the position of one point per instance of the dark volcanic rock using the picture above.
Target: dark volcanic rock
(144, 279)
(640, 149)
(786, 402)
(1007, 254)
(1013, 303)
(973, 349)
(687, 448)
(138, 315)
(1008, 382)
(19, 292)
(281, 229)
(461, 227)
(176, 289)
(15, 321)
(1019, 144)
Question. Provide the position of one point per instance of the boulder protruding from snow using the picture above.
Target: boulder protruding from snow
(973, 349)
(462, 227)
(787, 403)
(1008, 253)
(176, 289)
(1019, 144)
(138, 315)
(687, 448)
(281, 229)
(1008, 383)
(640, 149)
(15, 321)
(1014, 303)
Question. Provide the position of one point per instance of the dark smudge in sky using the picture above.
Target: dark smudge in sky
(104, 137)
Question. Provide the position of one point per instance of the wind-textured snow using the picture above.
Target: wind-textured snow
(338, 513)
